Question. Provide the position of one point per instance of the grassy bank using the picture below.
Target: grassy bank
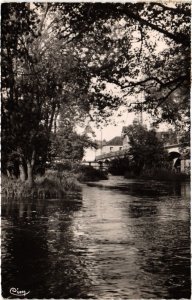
(53, 184)
(159, 174)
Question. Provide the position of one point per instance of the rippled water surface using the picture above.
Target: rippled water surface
(124, 239)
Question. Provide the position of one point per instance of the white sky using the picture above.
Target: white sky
(110, 131)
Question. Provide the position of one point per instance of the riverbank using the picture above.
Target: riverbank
(53, 184)
(159, 175)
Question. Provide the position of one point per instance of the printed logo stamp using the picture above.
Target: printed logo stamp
(16, 292)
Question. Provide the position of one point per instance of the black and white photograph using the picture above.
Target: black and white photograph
(95, 150)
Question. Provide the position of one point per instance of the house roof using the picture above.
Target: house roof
(116, 141)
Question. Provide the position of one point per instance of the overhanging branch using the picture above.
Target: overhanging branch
(179, 38)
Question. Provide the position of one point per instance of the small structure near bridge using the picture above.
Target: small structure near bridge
(99, 165)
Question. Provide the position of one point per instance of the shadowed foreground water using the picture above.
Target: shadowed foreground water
(124, 239)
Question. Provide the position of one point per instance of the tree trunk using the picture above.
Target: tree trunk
(30, 174)
(8, 173)
(22, 173)
(30, 165)
(55, 123)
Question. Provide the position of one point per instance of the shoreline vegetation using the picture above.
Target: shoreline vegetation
(88, 173)
(58, 184)
(55, 184)
(159, 175)
(52, 184)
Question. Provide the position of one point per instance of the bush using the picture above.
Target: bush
(63, 181)
(119, 166)
(130, 175)
(53, 184)
(88, 173)
(66, 165)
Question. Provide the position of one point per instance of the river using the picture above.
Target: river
(123, 239)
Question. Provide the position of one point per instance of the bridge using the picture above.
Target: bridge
(102, 161)
(175, 148)
(100, 165)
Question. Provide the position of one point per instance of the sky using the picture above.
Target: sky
(113, 129)
(110, 131)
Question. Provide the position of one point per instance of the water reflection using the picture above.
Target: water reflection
(39, 249)
(161, 235)
(124, 239)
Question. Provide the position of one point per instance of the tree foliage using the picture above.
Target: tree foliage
(85, 59)
(141, 47)
(36, 88)
(146, 150)
(68, 145)
(119, 166)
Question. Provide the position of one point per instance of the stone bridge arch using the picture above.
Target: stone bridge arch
(175, 158)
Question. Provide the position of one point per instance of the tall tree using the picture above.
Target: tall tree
(146, 150)
(36, 85)
(69, 57)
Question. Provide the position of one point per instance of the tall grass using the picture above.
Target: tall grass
(14, 188)
(53, 184)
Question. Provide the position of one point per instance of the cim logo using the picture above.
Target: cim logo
(18, 293)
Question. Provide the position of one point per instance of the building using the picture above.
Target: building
(111, 148)
(115, 144)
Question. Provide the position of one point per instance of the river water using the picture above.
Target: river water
(122, 239)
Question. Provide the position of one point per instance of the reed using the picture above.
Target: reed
(53, 184)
